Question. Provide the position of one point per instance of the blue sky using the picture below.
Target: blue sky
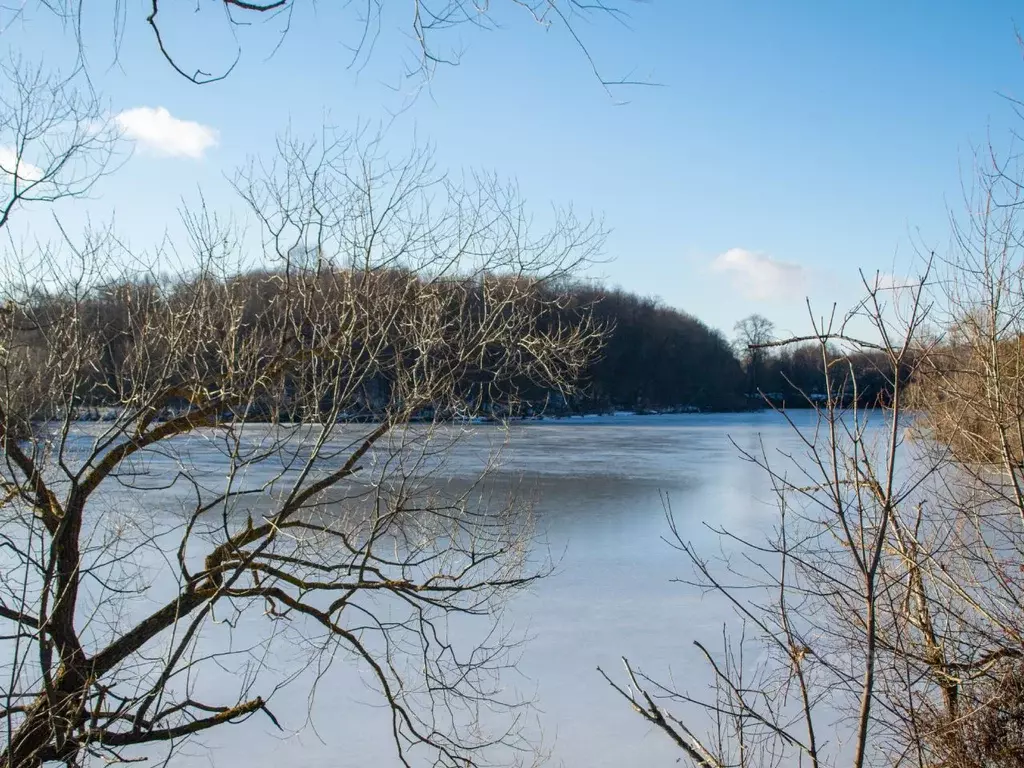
(788, 144)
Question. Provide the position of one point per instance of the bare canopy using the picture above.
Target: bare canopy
(424, 22)
(255, 463)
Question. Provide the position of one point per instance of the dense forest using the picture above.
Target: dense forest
(659, 358)
(656, 357)
(651, 357)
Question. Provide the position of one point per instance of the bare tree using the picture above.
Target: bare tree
(425, 22)
(256, 488)
(884, 606)
(817, 598)
(54, 140)
(753, 334)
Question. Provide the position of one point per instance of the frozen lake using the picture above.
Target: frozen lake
(598, 485)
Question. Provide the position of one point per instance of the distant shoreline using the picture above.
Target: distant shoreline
(100, 415)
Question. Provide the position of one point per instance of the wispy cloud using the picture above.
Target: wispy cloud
(11, 165)
(759, 276)
(884, 281)
(157, 129)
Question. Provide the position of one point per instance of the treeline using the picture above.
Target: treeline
(659, 358)
(295, 345)
(656, 357)
(650, 357)
(794, 376)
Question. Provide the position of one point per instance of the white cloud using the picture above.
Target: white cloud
(157, 129)
(11, 165)
(759, 276)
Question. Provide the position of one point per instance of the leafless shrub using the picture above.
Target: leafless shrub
(988, 730)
